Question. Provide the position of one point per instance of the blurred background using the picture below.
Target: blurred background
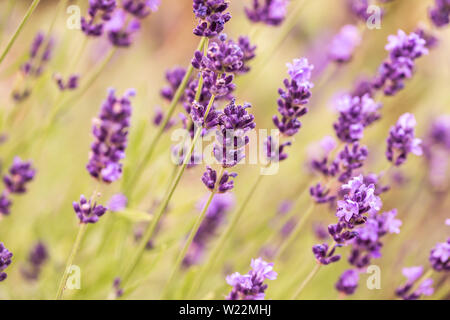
(60, 155)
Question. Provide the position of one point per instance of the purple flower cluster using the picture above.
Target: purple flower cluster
(274, 151)
(348, 282)
(403, 50)
(119, 23)
(234, 123)
(36, 259)
(5, 261)
(440, 13)
(440, 256)
(324, 255)
(88, 212)
(352, 157)
(211, 17)
(225, 184)
(40, 53)
(251, 286)
(270, 12)
(220, 205)
(19, 175)
(355, 113)
(321, 194)
(413, 274)
(402, 140)
(294, 97)
(70, 84)
(110, 130)
(344, 43)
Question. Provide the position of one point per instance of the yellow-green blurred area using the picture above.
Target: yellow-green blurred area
(164, 41)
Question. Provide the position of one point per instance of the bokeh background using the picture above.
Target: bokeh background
(45, 212)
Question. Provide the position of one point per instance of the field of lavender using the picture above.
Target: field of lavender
(225, 149)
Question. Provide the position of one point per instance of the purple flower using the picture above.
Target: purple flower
(402, 140)
(174, 78)
(110, 131)
(348, 282)
(294, 97)
(70, 84)
(36, 258)
(20, 174)
(440, 131)
(40, 53)
(413, 274)
(275, 152)
(231, 138)
(178, 155)
(251, 286)
(5, 204)
(403, 50)
(198, 113)
(319, 154)
(120, 31)
(321, 194)
(218, 208)
(141, 8)
(359, 8)
(325, 256)
(344, 43)
(99, 11)
(440, 13)
(355, 113)
(5, 260)
(270, 12)
(88, 212)
(440, 256)
(352, 157)
(211, 17)
(209, 179)
(117, 202)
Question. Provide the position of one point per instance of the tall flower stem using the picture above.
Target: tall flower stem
(295, 233)
(213, 256)
(30, 10)
(151, 228)
(73, 253)
(306, 281)
(191, 236)
(137, 172)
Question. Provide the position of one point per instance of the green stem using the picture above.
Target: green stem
(73, 253)
(306, 281)
(19, 29)
(191, 236)
(150, 230)
(294, 234)
(134, 178)
(213, 256)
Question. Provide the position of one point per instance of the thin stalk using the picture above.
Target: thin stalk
(306, 281)
(30, 10)
(294, 234)
(150, 230)
(134, 179)
(190, 238)
(73, 253)
(223, 238)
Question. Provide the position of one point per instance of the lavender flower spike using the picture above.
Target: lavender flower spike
(36, 259)
(440, 13)
(413, 274)
(209, 179)
(440, 256)
(20, 173)
(348, 282)
(402, 140)
(211, 17)
(270, 12)
(88, 212)
(141, 8)
(251, 286)
(5, 261)
(344, 43)
(110, 130)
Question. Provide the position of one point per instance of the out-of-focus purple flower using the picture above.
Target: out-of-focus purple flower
(355, 113)
(117, 202)
(110, 131)
(70, 84)
(359, 8)
(234, 123)
(270, 12)
(321, 194)
(413, 274)
(120, 31)
(431, 40)
(362, 87)
(324, 255)
(36, 258)
(402, 140)
(99, 11)
(5, 261)
(218, 208)
(348, 282)
(88, 212)
(440, 13)
(372, 178)
(211, 17)
(251, 286)
(440, 256)
(5, 204)
(284, 207)
(403, 50)
(319, 157)
(209, 179)
(141, 8)
(440, 131)
(159, 117)
(178, 155)
(275, 152)
(320, 231)
(40, 53)
(19, 175)
(249, 53)
(118, 290)
(174, 78)
(344, 43)
(294, 97)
